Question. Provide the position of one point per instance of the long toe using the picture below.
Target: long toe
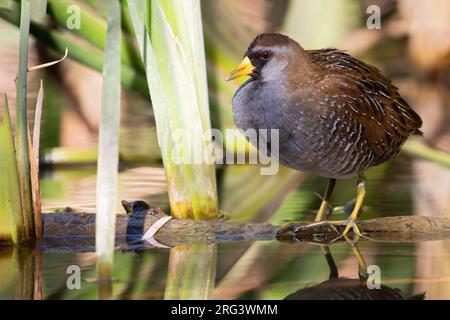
(350, 225)
(290, 229)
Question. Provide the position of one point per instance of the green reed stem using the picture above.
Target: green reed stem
(173, 56)
(21, 122)
(108, 158)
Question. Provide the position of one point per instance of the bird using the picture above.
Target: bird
(348, 289)
(341, 288)
(336, 115)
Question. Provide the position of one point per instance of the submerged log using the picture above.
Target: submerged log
(71, 231)
(386, 229)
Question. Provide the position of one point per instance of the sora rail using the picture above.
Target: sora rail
(336, 115)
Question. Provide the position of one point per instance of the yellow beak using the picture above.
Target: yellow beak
(243, 69)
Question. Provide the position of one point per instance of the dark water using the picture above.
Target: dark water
(264, 270)
(259, 270)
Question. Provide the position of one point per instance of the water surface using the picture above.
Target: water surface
(259, 270)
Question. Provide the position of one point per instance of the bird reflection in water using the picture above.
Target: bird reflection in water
(336, 288)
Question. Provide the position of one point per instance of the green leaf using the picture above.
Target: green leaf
(421, 150)
(11, 222)
(85, 54)
(6, 4)
(91, 28)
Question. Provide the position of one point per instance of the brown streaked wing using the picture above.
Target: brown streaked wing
(372, 99)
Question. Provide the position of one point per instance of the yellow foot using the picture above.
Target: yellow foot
(324, 223)
(321, 232)
(352, 225)
(299, 230)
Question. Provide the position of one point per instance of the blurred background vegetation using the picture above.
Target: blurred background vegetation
(412, 47)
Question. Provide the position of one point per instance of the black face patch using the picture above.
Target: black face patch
(259, 59)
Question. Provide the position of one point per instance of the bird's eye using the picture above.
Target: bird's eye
(265, 55)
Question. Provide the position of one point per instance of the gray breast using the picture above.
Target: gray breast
(309, 136)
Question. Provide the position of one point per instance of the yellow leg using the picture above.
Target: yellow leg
(334, 274)
(351, 223)
(322, 213)
(362, 266)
